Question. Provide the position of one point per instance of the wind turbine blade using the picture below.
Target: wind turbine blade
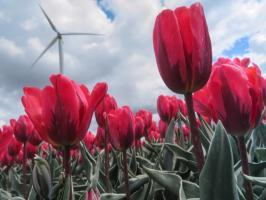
(49, 20)
(46, 49)
(61, 56)
(96, 34)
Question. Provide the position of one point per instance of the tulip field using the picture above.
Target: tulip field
(208, 145)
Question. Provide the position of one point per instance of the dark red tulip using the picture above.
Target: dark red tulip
(146, 117)
(139, 128)
(233, 95)
(35, 138)
(182, 48)
(107, 104)
(14, 147)
(263, 82)
(62, 112)
(31, 150)
(121, 128)
(23, 128)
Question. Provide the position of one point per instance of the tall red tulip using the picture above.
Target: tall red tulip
(183, 53)
(121, 130)
(182, 48)
(62, 113)
(107, 104)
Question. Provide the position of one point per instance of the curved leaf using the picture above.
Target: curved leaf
(217, 180)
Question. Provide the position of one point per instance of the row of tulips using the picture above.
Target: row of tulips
(155, 158)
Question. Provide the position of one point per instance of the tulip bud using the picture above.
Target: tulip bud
(121, 128)
(182, 48)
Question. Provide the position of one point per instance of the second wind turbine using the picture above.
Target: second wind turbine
(58, 38)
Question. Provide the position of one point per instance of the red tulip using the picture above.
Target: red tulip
(146, 117)
(182, 48)
(162, 128)
(62, 113)
(89, 140)
(107, 104)
(31, 150)
(139, 128)
(263, 82)
(99, 138)
(5, 138)
(35, 138)
(233, 95)
(121, 128)
(168, 107)
(14, 147)
(23, 128)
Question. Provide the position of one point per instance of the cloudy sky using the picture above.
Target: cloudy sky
(123, 57)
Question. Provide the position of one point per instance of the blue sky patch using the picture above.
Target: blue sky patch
(110, 15)
(240, 47)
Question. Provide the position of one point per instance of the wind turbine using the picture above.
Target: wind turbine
(58, 38)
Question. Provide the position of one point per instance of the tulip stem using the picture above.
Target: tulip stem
(106, 168)
(126, 174)
(195, 136)
(245, 167)
(67, 167)
(24, 170)
(66, 161)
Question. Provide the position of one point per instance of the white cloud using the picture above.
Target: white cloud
(124, 56)
(10, 48)
(29, 24)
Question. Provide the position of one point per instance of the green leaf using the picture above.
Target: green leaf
(261, 154)
(68, 192)
(112, 196)
(257, 168)
(168, 161)
(191, 190)
(180, 152)
(217, 180)
(166, 179)
(256, 180)
(41, 178)
(134, 183)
